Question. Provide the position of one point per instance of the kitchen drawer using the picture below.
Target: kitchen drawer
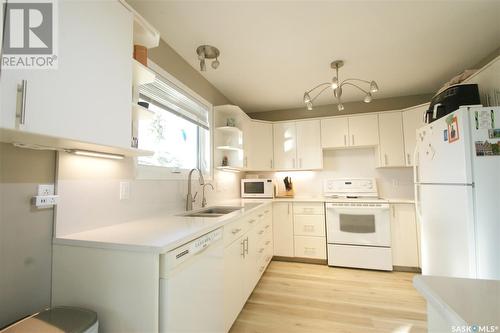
(234, 230)
(310, 247)
(251, 221)
(309, 225)
(308, 208)
(360, 256)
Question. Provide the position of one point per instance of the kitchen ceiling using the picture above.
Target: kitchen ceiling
(272, 51)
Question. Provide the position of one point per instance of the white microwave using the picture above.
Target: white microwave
(257, 188)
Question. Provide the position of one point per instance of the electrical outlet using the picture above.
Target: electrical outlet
(45, 189)
(124, 190)
(45, 201)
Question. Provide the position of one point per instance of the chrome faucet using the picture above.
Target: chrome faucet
(204, 200)
(190, 199)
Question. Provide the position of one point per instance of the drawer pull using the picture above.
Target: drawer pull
(261, 232)
(260, 215)
(268, 242)
(261, 249)
(251, 221)
(310, 250)
(267, 211)
(267, 226)
(262, 268)
(235, 231)
(309, 228)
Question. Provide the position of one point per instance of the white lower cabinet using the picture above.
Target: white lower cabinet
(299, 230)
(404, 236)
(283, 229)
(247, 253)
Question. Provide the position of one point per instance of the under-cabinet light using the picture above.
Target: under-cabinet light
(96, 154)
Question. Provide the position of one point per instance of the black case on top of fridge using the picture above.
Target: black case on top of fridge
(451, 99)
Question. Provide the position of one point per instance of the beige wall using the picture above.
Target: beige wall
(173, 63)
(383, 104)
(25, 232)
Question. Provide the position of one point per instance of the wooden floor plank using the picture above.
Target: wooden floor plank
(306, 298)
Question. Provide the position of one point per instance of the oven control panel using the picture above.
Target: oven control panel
(366, 187)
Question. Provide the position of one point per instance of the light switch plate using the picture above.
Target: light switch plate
(124, 190)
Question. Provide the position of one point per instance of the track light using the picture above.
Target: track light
(368, 98)
(307, 98)
(373, 87)
(208, 52)
(340, 107)
(309, 106)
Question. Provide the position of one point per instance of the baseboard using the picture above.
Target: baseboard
(407, 269)
(302, 260)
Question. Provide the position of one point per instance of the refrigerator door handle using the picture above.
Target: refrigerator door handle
(415, 182)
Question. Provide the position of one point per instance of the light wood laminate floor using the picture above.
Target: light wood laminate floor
(307, 298)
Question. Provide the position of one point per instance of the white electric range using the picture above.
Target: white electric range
(358, 224)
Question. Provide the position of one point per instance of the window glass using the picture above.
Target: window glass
(175, 140)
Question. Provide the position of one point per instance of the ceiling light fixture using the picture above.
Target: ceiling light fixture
(336, 85)
(208, 52)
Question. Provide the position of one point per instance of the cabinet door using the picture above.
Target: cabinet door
(363, 130)
(404, 235)
(309, 152)
(413, 119)
(285, 146)
(283, 229)
(259, 150)
(334, 132)
(233, 282)
(391, 140)
(88, 97)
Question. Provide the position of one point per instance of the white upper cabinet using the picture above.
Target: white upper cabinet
(258, 139)
(309, 153)
(334, 132)
(88, 97)
(391, 147)
(297, 145)
(363, 130)
(413, 119)
(285, 146)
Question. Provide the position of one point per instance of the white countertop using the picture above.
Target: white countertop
(158, 234)
(467, 301)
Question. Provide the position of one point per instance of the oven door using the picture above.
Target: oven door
(358, 224)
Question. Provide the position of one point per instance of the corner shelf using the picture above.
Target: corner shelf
(230, 168)
(141, 74)
(229, 129)
(233, 148)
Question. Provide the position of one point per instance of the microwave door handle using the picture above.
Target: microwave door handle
(434, 112)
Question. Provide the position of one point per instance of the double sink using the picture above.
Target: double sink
(215, 211)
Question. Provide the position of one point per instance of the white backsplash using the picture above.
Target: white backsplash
(396, 183)
(89, 191)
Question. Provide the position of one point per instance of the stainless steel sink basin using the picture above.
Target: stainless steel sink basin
(212, 211)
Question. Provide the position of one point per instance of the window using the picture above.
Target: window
(176, 128)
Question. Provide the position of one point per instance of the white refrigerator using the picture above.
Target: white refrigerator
(457, 194)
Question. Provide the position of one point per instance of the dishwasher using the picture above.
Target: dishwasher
(191, 286)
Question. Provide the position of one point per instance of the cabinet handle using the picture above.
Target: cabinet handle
(246, 242)
(262, 249)
(353, 139)
(260, 215)
(22, 90)
(293, 162)
(235, 231)
(288, 209)
(251, 221)
(267, 211)
(261, 232)
(246, 162)
(345, 140)
(243, 248)
(267, 226)
(271, 163)
(268, 242)
(385, 159)
(408, 160)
